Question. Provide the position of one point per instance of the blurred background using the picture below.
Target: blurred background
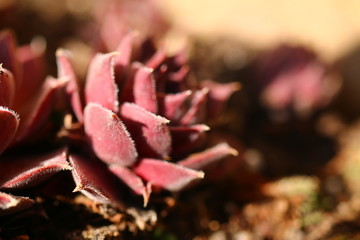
(332, 27)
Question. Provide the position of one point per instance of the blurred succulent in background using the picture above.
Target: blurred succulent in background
(291, 80)
(143, 116)
(25, 103)
(289, 90)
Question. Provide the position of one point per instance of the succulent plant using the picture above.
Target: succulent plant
(293, 80)
(25, 103)
(143, 122)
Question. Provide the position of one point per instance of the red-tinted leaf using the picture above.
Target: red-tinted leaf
(35, 111)
(10, 204)
(157, 59)
(218, 95)
(171, 104)
(109, 137)
(100, 83)
(151, 135)
(8, 54)
(65, 70)
(187, 138)
(199, 161)
(7, 87)
(29, 171)
(180, 75)
(9, 122)
(122, 61)
(133, 181)
(166, 175)
(140, 88)
(32, 62)
(94, 180)
(197, 111)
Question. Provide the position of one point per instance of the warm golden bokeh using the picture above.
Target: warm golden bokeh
(329, 26)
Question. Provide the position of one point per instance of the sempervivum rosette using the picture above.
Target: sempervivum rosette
(291, 81)
(143, 119)
(25, 103)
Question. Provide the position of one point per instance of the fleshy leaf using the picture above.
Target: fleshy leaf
(170, 105)
(35, 111)
(94, 180)
(133, 181)
(140, 88)
(200, 160)
(29, 171)
(157, 59)
(8, 54)
(100, 82)
(219, 93)
(7, 87)
(187, 138)
(150, 132)
(197, 111)
(166, 175)
(180, 75)
(32, 62)
(10, 204)
(9, 122)
(108, 135)
(122, 61)
(72, 89)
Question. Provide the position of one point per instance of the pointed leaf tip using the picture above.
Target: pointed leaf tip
(94, 180)
(133, 181)
(201, 160)
(170, 176)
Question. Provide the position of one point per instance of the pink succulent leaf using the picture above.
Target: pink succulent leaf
(187, 138)
(133, 181)
(65, 69)
(170, 105)
(219, 93)
(180, 75)
(110, 140)
(198, 161)
(157, 59)
(140, 88)
(9, 121)
(10, 204)
(100, 83)
(31, 59)
(8, 54)
(169, 176)
(94, 180)
(7, 87)
(35, 111)
(123, 60)
(31, 170)
(150, 131)
(196, 112)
